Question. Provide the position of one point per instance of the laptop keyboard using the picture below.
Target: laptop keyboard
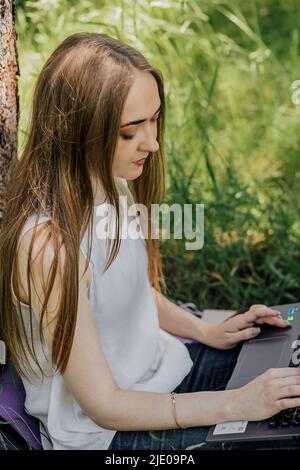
(286, 418)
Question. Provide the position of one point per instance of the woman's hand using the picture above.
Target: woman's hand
(268, 394)
(241, 327)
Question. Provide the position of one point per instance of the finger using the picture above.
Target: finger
(242, 335)
(273, 320)
(252, 316)
(260, 311)
(281, 372)
(290, 380)
(289, 391)
(286, 403)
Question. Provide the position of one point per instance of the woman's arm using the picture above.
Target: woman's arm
(225, 335)
(147, 411)
(177, 321)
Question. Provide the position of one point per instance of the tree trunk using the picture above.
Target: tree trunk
(9, 99)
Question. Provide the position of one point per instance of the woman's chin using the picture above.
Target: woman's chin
(132, 175)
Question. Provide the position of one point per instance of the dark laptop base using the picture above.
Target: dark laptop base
(271, 348)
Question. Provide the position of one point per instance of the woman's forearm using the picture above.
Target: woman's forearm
(147, 411)
(177, 321)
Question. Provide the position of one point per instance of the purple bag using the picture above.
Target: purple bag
(18, 430)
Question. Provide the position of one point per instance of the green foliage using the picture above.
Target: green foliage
(231, 137)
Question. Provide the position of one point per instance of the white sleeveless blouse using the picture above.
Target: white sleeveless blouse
(141, 355)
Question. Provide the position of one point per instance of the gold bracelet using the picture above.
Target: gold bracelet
(173, 398)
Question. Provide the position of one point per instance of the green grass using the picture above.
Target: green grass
(232, 139)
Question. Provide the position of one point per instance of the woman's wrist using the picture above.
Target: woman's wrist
(211, 407)
(206, 332)
(232, 406)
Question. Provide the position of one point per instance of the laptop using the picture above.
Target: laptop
(273, 347)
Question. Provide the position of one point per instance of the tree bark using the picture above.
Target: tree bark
(9, 99)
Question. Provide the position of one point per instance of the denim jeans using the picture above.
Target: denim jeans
(211, 370)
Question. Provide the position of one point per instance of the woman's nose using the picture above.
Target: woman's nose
(154, 146)
(149, 144)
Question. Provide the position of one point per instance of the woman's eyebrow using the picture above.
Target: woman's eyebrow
(132, 123)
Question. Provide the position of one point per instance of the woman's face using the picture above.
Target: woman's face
(138, 131)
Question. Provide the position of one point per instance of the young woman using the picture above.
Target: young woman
(85, 319)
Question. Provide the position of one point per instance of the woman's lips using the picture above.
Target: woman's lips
(140, 162)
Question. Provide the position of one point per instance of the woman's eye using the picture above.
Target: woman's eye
(127, 137)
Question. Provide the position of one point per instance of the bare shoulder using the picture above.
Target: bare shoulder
(43, 253)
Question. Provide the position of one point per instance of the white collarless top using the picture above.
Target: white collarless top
(141, 355)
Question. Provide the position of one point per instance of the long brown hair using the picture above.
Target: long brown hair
(76, 115)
